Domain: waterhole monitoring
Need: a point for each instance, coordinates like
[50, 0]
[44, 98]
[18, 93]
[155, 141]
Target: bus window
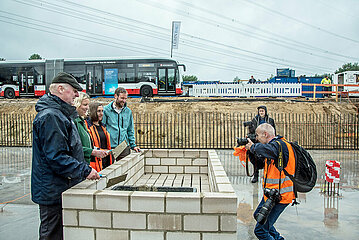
[78, 71]
[39, 74]
[146, 76]
[126, 75]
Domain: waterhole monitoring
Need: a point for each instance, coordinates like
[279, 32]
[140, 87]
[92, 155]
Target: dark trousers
[51, 222]
[267, 230]
[124, 153]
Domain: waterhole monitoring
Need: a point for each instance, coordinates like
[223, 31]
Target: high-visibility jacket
[272, 175]
[326, 81]
[96, 163]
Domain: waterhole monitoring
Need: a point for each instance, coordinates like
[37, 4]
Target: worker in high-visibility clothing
[326, 80]
[275, 151]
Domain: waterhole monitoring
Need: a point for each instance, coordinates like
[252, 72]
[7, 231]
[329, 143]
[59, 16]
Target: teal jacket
[120, 126]
[85, 138]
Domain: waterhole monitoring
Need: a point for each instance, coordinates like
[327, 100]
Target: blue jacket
[271, 150]
[120, 126]
[57, 157]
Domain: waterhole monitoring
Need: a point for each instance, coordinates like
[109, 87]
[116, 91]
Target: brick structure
[91, 211]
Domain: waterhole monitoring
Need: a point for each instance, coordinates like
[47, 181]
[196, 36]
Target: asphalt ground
[318, 216]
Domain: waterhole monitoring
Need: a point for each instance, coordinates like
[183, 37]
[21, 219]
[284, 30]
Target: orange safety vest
[273, 176]
[96, 163]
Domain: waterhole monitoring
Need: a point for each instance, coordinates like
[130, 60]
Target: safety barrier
[212, 130]
[247, 90]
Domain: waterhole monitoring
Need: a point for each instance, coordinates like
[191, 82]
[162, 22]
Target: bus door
[26, 83]
[166, 81]
[341, 81]
[94, 80]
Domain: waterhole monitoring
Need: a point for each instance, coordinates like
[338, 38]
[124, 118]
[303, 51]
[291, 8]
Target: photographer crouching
[277, 155]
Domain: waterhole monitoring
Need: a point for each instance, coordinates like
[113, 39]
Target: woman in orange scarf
[99, 136]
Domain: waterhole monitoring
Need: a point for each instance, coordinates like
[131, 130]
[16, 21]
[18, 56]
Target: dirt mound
[27, 105]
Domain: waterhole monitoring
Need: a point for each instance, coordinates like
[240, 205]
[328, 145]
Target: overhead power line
[301, 21]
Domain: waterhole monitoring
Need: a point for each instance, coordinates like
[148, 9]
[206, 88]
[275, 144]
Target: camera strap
[280, 163]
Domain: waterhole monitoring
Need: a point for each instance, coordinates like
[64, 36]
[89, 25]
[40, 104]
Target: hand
[137, 149]
[93, 175]
[99, 153]
[249, 144]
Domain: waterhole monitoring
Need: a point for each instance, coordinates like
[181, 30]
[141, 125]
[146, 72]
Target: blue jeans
[267, 230]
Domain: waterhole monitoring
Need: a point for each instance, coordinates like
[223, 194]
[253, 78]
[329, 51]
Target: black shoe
[254, 179]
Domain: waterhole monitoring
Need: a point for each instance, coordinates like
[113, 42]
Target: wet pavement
[317, 217]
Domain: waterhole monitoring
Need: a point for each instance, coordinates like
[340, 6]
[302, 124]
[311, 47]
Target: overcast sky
[219, 40]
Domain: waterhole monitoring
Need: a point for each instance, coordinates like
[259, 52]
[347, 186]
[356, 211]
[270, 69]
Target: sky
[219, 39]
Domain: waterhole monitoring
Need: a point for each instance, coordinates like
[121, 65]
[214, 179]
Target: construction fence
[211, 130]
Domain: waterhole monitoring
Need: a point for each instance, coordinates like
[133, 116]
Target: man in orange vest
[277, 155]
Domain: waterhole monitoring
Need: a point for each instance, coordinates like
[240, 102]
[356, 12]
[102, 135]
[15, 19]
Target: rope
[15, 199]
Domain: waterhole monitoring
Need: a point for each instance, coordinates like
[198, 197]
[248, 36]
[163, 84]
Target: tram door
[26, 83]
[94, 80]
[166, 81]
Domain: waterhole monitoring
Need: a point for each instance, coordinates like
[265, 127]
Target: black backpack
[305, 175]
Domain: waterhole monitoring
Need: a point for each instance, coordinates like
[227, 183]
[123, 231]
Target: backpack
[305, 175]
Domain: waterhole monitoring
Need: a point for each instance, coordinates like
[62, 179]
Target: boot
[255, 176]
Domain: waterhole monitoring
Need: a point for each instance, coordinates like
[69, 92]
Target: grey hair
[266, 127]
[54, 86]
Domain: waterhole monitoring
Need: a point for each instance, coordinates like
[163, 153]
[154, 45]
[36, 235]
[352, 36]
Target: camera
[244, 141]
[273, 198]
[251, 136]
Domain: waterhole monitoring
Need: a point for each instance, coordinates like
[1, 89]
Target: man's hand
[99, 153]
[93, 175]
[249, 144]
[137, 149]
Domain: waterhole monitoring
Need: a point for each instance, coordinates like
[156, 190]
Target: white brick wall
[129, 220]
[75, 233]
[78, 198]
[144, 235]
[113, 200]
[164, 222]
[147, 202]
[111, 234]
[94, 219]
[201, 223]
[107, 214]
[183, 203]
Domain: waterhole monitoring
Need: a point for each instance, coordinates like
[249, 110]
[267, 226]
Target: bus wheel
[146, 91]
[9, 93]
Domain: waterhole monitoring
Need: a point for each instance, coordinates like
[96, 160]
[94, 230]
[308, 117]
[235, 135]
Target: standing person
[99, 135]
[57, 158]
[262, 117]
[326, 80]
[118, 120]
[252, 80]
[271, 149]
[82, 106]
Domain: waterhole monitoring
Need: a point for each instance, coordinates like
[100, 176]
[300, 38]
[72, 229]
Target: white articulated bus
[98, 76]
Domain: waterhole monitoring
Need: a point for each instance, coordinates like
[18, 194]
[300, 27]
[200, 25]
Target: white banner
[175, 34]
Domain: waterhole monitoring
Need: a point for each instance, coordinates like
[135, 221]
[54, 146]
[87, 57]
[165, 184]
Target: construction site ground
[223, 105]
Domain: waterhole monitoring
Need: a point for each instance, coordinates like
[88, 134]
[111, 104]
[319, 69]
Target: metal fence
[210, 130]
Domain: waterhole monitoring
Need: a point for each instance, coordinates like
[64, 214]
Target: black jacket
[57, 157]
[256, 121]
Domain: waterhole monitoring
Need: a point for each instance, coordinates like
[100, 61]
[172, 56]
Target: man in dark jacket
[57, 157]
[262, 117]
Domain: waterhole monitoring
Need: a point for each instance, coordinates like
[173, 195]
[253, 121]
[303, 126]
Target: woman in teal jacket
[82, 106]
